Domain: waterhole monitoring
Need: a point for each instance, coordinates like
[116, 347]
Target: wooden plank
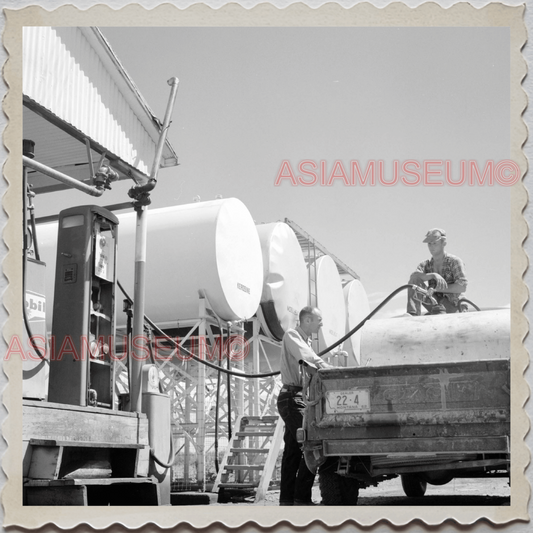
[56, 495]
[460, 465]
[43, 422]
[237, 485]
[78, 408]
[421, 431]
[45, 462]
[244, 467]
[254, 433]
[88, 481]
[142, 462]
[260, 419]
[249, 450]
[432, 445]
[26, 458]
[339, 422]
[85, 444]
[442, 387]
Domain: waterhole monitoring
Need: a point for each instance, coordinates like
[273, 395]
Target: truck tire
[439, 477]
[413, 486]
[337, 490]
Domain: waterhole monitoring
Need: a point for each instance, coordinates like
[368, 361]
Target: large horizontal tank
[330, 298]
[285, 287]
[211, 246]
[357, 308]
[436, 338]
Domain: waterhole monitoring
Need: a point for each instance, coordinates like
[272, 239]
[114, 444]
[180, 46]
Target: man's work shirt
[296, 345]
[453, 271]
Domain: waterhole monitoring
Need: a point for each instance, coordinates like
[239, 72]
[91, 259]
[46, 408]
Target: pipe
[217, 401]
[89, 158]
[149, 186]
[63, 178]
[31, 209]
[228, 385]
[129, 313]
[25, 248]
[368, 317]
[138, 338]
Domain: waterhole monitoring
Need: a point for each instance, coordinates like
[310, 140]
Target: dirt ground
[469, 492]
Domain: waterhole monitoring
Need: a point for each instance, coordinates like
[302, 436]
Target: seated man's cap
[433, 235]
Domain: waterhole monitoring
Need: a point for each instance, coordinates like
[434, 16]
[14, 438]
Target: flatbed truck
[426, 421]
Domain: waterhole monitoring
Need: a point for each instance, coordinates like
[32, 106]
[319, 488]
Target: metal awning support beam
[63, 178]
[139, 192]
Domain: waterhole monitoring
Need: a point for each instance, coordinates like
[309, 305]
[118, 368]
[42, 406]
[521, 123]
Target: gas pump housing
[83, 324]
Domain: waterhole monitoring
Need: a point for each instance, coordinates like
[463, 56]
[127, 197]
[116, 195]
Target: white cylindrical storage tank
[211, 246]
[436, 338]
[285, 288]
[357, 308]
[330, 300]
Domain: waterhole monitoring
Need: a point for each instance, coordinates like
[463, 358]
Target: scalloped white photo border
[365, 14]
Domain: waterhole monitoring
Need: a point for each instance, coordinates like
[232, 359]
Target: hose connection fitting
[104, 176]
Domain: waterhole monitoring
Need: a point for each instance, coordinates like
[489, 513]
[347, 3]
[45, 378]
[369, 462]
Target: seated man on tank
[443, 276]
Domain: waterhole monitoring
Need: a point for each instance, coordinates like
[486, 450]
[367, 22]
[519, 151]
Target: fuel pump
[83, 326]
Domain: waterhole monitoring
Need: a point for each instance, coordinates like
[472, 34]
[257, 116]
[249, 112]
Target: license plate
[348, 401]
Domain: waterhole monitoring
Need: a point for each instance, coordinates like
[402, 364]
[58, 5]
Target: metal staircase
[250, 459]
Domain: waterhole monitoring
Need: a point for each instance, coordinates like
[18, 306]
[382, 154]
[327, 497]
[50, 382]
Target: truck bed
[447, 407]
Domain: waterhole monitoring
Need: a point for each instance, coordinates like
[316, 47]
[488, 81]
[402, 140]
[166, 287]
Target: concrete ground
[492, 492]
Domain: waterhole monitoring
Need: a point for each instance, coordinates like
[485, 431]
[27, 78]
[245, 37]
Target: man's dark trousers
[296, 479]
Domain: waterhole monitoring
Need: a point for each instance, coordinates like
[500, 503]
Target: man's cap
[433, 235]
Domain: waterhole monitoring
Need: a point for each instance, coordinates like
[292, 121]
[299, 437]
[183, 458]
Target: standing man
[444, 274]
[296, 479]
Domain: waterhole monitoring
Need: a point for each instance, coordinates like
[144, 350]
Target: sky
[251, 98]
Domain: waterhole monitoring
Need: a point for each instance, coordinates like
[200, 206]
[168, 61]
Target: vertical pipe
[217, 394]
[173, 82]
[186, 454]
[25, 212]
[200, 413]
[228, 388]
[239, 388]
[139, 341]
[140, 348]
[255, 369]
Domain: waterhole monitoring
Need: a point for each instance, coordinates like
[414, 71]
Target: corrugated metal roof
[57, 149]
[74, 80]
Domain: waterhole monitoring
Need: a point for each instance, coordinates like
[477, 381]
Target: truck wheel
[413, 486]
[437, 478]
[337, 490]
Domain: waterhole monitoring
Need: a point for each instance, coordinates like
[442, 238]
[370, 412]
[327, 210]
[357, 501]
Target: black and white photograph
[266, 261]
